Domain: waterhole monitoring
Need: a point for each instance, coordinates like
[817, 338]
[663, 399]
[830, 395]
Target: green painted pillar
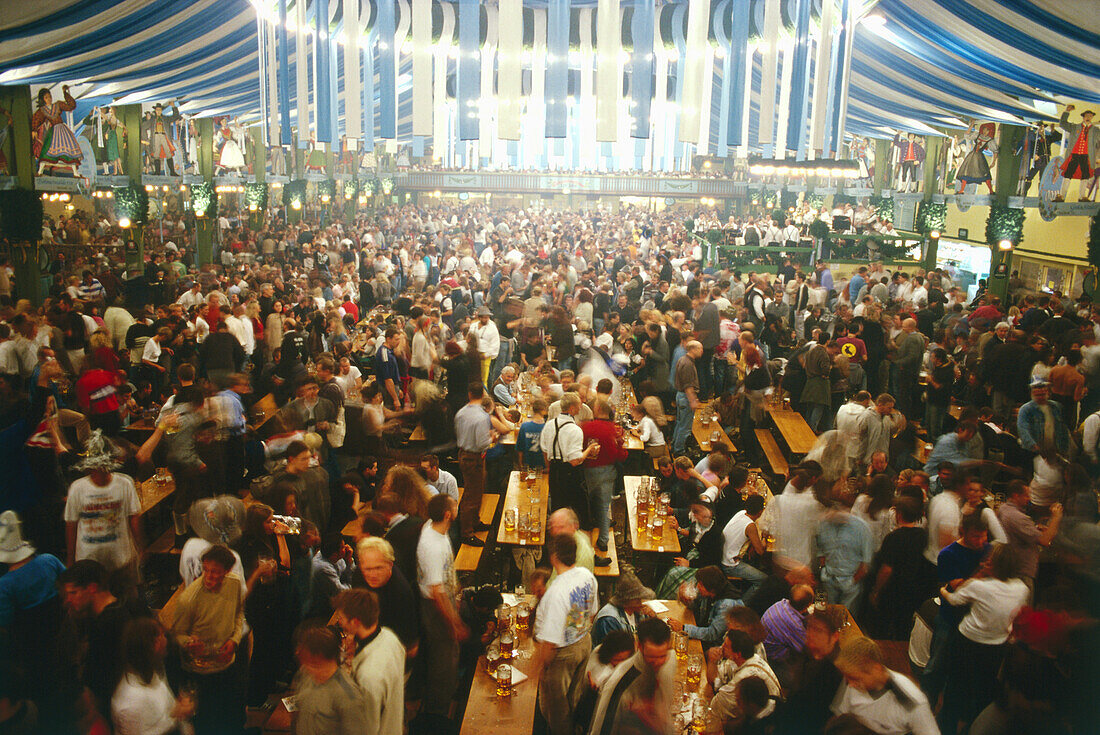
[24, 255]
[882, 165]
[205, 225]
[130, 117]
[259, 155]
[299, 159]
[932, 147]
[1008, 176]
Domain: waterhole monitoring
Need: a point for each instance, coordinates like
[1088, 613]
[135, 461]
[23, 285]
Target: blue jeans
[601, 485]
[684, 418]
[815, 413]
[939, 659]
[747, 572]
[502, 359]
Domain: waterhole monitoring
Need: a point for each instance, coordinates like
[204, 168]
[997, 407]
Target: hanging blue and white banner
[822, 76]
[641, 67]
[800, 78]
[441, 127]
[369, 129]
[283, 50]
[468, 81]
[843, 66]
[609, 84]
[301, 63]
[322, 84]
[387, 68]
[740, 62]
[509, 69]
[770, 71]
[557, 68]
[353, 109]
[691, 101]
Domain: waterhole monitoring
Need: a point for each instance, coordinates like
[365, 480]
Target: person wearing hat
[1039, 424]
[217, 520]
[488, 340]
[1082, 150]
[102, 512]
[622, 610]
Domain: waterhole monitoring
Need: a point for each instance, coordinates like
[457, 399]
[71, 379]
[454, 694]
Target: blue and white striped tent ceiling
[918, 65]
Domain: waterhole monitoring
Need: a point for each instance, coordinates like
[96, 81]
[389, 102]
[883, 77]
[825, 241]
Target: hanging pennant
[534, 133]
[740, 67]
[301, 62]
[800, 79]
[487, 100]
[641, 67]
[585, 113]
[822, 67]
[509, 68]
[441, 114]
[698, 25]
[321, 69]
[468, 80]
[283, 61]
[843, 68]
[557, 68]
[387, 69]
[352, 89]
[367, 77]
[609, 83]
[769, 71]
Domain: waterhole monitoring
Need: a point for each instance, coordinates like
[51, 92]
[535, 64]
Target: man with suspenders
[562, 442]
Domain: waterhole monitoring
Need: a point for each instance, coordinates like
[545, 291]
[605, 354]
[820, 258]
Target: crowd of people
[948, 508]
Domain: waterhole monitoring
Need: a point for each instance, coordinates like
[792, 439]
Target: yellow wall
[1066, 237]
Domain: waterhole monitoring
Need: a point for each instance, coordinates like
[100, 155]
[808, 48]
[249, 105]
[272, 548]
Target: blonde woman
[650, 415]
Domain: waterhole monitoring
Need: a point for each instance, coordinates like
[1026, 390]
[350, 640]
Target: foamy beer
[694, 671]
[504, 680]
[523, 616]
[510, 519]
[492, 658]
[507, 645]
[681, 647]
[658, 529]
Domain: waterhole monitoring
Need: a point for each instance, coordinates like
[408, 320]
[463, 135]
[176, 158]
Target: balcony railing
[509, 182]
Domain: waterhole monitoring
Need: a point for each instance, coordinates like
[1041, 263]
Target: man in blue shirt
[386, 370]
[527, 442]
[859, 280]
[956, 563]
[952, 448]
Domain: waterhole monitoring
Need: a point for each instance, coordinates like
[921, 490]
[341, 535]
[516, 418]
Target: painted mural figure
[146, 128]
[54, 144]
[161, 139]
[191, 164]
[276, 160]
[1034, 152]
[114, 140]
[1082, 151]
[910, 157]
[230, 155]
[975, 169]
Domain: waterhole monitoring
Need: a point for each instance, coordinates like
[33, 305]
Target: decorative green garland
[351, 188]
[132, 202]
[294, 191]
[256, 194]
[326, 188]
[883, 208]
[816, 201]
[930, 216]
[788, 199]
[839, 199]
[20, 215]
[387, 185]
[1004, 223]
[369, 187]
[204, 199]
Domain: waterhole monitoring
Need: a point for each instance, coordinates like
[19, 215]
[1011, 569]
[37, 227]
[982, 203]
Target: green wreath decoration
[1004, 223]
[204, 198]
[132, 202]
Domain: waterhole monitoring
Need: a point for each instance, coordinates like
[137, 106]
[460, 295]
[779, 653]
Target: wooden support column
[1008, 176]
[25, 255]
[205, 225]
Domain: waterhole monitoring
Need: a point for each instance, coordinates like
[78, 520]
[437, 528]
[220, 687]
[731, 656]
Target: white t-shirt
[435, 563]
[570, 438]
[649, 433]
[902, 708]
[943, 513]
[734, 537]
[151, 351]
[102, 517]
[993, 607]
[138, 708]
[568, 609]
[347, 382]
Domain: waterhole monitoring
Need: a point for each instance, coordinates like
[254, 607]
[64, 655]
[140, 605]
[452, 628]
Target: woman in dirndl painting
[54, 143]
[974, 169]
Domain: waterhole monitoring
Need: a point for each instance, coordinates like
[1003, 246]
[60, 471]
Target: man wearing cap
[624, 608]
[488, 340]
[1082, 150]
[1039, 424]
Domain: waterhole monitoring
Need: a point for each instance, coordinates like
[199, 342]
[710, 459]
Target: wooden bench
[613, 569]
[165, 544]
[468, 557]
[772, 451]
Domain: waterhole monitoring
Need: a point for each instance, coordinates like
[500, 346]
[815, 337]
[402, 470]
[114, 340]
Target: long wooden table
[151, 492]
[670, 539]
[798, 435]
[704, 431]
[519, 497]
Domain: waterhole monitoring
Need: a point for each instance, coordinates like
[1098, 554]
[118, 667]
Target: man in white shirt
[442, 628]
[240, 326]
[944, 517]
[102, 512]
[562, 632]
[739, 649]
[192, 296]
[440, 481]
[847, 422]
[885, 701]
[562, 442]
[488, 340]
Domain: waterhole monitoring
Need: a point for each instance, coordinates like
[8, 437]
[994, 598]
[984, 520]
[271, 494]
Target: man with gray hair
[504, 387]
[562, 442]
